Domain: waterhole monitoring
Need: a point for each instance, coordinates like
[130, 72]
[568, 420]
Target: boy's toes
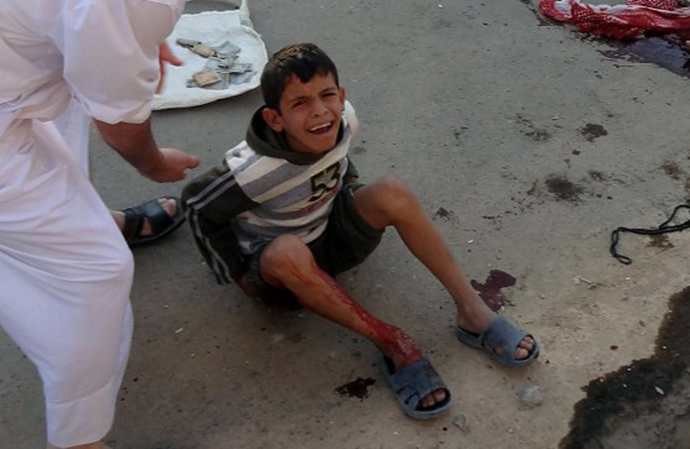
[432, 399]
[439, 396]
[524, 348]
[426, 402]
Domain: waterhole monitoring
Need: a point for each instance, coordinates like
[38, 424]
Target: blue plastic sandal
[500, 333]
[413, 382]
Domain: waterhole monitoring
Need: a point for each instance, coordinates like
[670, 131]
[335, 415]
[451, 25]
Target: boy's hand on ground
[172, 166]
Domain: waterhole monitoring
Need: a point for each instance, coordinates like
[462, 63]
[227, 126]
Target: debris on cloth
[221, 69]
[223, 57]
[204, 78]
[620, 22]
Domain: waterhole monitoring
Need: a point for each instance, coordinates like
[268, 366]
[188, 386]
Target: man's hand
[172, 167]
[165, 56]
[135, 143]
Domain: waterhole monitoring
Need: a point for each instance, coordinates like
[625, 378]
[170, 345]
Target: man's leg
[66, 275]
[389, 202]
[288, 263]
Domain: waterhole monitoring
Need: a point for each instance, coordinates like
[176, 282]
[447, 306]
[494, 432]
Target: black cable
[663, 228]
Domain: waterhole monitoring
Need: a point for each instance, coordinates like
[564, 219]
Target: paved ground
[528, 146]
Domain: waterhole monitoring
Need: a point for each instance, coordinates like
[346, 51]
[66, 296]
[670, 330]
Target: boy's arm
[351, 174]
[211, 201]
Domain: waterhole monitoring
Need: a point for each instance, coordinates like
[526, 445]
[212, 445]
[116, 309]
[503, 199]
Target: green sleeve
[211, 202]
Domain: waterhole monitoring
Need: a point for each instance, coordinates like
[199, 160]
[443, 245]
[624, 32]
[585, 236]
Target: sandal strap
[502, 332]
[134, 222]
[157, 216]
[415, 381]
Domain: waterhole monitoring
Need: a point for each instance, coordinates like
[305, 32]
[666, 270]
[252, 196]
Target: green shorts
[345, 243]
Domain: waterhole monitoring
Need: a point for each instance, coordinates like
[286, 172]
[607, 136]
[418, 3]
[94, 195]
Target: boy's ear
[273, 119]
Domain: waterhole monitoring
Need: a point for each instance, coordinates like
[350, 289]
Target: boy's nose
[318, 109]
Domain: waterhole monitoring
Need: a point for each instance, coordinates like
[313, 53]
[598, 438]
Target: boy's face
[310, 114]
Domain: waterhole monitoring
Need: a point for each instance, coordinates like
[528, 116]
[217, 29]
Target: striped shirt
[263, 190]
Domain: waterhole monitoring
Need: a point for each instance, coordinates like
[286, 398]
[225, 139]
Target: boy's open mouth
[321, 129]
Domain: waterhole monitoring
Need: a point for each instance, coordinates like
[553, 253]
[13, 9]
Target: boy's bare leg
[389, 202]
[288, 263]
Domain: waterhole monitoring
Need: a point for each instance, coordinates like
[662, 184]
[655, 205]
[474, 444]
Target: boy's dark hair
[300, 60]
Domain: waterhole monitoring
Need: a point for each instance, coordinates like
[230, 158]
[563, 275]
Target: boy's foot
[414, 381]
[149, 221]
[501, 339]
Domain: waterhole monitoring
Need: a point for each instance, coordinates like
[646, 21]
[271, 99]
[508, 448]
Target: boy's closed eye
[299, 103]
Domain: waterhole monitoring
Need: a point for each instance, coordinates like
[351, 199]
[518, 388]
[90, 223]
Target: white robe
[66, 270]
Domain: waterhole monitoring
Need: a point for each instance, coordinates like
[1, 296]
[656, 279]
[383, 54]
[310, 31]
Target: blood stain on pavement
[358, 388]
[665, 51]
[640, 388]
[490, 291]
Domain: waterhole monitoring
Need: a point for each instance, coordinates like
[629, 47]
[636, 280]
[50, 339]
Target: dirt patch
[659, 241]
[490, 291]
[444, 214]
[563, 189]
[538, 135]
[597, 176]
[644, 404]
[672, 170]
[531, 131]
[458, 133]
[593, 131]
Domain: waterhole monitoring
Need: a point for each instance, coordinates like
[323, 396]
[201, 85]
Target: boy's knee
[395, 192]
[285, 255]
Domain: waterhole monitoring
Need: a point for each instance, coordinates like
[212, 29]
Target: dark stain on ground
[563, 189]
[459, 132]
[531, 131]
[672, 170]
[593, 131]
[663, 50]
[538, 135]
[444, 214]
[490, 291]
[597, 176]
[358, 388]
[638, 388]
[660, 241]
[359, 150]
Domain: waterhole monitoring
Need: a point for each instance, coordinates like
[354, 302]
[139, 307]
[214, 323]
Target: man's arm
[136, 144]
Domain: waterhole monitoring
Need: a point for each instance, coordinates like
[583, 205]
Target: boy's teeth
[316, 128]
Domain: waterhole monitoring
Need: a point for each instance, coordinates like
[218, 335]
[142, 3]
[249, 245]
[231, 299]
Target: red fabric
[620, 21]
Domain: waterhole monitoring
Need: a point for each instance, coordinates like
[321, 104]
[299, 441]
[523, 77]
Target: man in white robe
[65, 267]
